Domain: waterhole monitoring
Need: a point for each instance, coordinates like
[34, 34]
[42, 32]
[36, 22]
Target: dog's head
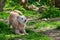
[22, 19]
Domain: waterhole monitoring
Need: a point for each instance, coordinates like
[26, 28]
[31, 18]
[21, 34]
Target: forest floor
[36, 28]
[54, 33]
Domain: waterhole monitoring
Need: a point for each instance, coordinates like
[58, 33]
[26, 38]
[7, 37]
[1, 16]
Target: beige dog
[18, 21]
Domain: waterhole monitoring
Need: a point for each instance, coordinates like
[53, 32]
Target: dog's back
[13, 18]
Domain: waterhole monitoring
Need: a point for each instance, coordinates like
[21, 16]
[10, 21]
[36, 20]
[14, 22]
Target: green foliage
[42, 2]
[32, 36]
[42, 24]
[35, 36]
[51, 13]
[4, 15]
[3, 27]
[46, 2]
[6, 34]
[13, 5]
[31, 2]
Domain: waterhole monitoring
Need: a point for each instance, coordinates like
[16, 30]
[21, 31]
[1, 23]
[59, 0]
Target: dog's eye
[22, 18]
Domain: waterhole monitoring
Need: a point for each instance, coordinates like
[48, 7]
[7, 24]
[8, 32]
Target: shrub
[51, 13]
[4, 15]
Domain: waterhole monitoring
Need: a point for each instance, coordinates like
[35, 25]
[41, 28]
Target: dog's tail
[19, 12]
[11, 11]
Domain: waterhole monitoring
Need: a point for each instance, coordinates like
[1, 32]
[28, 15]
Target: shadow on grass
[58, 28]
[4, 28]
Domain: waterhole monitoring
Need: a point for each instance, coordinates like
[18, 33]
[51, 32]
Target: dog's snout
[25, 21]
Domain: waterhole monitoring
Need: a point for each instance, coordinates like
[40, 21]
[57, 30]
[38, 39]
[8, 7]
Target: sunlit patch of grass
[40, 24]
[8, 36]
[36, 36]
[30, 13]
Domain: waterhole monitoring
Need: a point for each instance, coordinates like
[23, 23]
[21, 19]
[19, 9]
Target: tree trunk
[2, 4]
[57, 3]
[53, 2]
[23, 3]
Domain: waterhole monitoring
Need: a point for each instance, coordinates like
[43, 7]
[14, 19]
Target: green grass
[7, 34]
[33, 36]
[40, 24]
[4, 15]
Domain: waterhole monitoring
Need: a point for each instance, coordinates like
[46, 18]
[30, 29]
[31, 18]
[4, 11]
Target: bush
[51, 13]
[3, 27]
[4, 15]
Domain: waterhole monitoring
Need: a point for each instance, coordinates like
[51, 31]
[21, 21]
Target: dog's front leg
[16, 29]
[22, 29]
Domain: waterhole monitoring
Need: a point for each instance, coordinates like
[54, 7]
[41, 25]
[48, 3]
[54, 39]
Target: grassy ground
[7, 34]
[42, 26]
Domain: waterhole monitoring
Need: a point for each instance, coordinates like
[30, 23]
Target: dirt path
[55, 34]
